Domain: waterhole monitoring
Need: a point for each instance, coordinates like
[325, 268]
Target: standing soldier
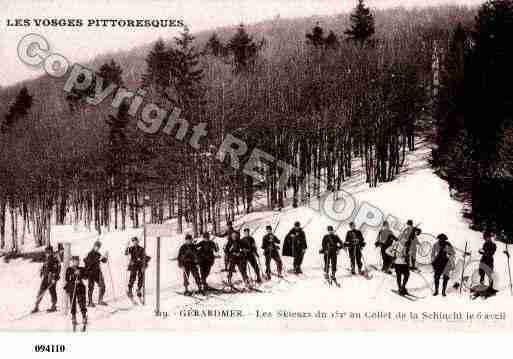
[486, 264]
[76, 289]
[385, 239]
[442, 258]
[295, 246]
[50, 274]
[331, 245]
[414, 242]
[355, 242]
[399, 251]
[137, 264]
[188, 261]
[237, 259]
[207, 250]
[407, 232]
[251, 253]
[270, 246]
[228, 234]
[410, 233]
[94, 274]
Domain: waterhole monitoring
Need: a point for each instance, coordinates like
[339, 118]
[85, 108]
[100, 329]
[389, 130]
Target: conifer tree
[244, 49]
[362, 24]
[331, 40]
[449, 104]
[158, 67]
[474, 117]
[316, 37]
[490, 107]
[186, 73]
[214, 46]
[18, 109]
[111, 72]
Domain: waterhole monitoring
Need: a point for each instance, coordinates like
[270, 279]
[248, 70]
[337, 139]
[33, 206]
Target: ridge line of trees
[317, 109]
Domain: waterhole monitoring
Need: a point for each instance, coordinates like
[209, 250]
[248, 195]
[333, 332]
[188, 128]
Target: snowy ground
[417, 194]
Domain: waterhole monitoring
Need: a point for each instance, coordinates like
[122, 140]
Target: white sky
[82, 43]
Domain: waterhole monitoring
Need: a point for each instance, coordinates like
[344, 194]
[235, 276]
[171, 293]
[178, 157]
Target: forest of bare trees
[326, 102]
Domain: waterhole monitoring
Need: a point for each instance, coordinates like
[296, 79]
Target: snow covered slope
[417, 194]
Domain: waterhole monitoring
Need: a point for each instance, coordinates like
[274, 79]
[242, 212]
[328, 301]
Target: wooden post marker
[158, 231]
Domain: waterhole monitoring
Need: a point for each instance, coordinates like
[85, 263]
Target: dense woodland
[474, 118]
[326, 95]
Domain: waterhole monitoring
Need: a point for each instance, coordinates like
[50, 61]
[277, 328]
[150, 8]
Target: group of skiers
[91, 271]
[241, 253]
[401, 253]
[198, 258]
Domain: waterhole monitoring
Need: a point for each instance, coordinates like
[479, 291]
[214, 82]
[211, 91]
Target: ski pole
[509, 270]
[379, 256]
[259, 265]
[365, 269]
[308, 222]
[40, 295]
[250, 277]
[325, 261]
[126, 278]
[242, 226]
[463, 269]
[73, 296]
[343, 245]
[255, 229]
[253, 269]
[277, 224]
[186, 276]
[354, 257]
[111, 280]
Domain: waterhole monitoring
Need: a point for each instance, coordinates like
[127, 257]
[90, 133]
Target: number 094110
[53, 348]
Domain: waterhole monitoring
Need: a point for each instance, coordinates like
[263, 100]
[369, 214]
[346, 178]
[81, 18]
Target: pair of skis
[241, 290]
[408, 296]
[364, 273]
[280, 278]
[193, 295]
[332, 282]
[83, 327]
[134, 301]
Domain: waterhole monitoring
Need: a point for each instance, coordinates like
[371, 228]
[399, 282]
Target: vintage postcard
[222, 165]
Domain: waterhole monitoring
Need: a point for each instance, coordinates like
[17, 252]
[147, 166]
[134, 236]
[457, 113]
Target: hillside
[276, 31]
[313, 108]
[417, 193]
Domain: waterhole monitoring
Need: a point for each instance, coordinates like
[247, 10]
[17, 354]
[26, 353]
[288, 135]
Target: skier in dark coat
[331, 245]
[138, 261]
[442, 258]
[486, 265]
[228, 234]
[207, 250]
[76, 289]
[385, 239]
[237, 259]
[295, 246]
[270, 246]
[355, 242]
[94, 274]
[251, 253]
[50, 273]
[188, 261]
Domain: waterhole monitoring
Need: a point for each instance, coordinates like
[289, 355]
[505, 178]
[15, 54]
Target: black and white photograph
[255, 166]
